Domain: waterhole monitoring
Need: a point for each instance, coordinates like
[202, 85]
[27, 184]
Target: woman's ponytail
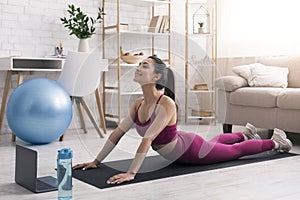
[170, 85]
[166, 81]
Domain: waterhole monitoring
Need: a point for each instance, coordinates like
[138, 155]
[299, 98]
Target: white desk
[31, 64]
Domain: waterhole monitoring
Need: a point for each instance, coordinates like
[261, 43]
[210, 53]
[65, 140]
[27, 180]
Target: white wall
[33, 27]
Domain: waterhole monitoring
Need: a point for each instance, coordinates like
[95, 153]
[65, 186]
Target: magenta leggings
[193, 149]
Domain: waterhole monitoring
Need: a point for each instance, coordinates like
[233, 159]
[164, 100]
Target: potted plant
[200, 29]
[81, 25]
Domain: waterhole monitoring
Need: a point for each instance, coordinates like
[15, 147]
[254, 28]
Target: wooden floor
[276, 179]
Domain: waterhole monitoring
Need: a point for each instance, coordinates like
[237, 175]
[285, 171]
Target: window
[258, 27]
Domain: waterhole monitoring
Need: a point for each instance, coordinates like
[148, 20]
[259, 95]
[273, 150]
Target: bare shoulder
[167, 102]
[134, 107]
[167, 110]
[137, 102]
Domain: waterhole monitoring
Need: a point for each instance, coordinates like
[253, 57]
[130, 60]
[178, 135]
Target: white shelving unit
[201, 58]
[118, 90]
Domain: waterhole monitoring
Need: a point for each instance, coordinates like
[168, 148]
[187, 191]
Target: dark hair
[167, 77]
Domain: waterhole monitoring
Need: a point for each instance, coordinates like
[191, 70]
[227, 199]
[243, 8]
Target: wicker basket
[131, 59]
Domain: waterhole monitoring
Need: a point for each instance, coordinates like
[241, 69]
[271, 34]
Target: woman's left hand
[120, 178]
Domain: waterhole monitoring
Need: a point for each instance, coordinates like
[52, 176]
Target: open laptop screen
[26, 172]
[26, 167]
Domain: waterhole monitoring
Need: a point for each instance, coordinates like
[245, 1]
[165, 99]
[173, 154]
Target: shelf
[124, 92]
[197, 2]
[206, 64]
[201, 35]
[143, 3]
[123, 65]
[145, 33]
[109, 31]
[119, 32]
[202, 66]
[201, 91]
[199, 117]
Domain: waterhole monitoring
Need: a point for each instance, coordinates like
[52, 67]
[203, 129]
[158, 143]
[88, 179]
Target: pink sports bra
[167, 135]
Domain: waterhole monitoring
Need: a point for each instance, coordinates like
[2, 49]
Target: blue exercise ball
[39, 111]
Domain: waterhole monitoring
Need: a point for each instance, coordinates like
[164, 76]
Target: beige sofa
[265, 107]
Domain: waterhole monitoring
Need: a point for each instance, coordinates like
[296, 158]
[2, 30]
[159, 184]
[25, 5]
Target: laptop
[26, 171]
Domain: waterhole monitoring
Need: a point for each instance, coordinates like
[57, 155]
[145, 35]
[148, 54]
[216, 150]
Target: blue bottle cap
[65, 153]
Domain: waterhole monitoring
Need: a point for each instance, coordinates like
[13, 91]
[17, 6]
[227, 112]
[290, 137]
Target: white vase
[83, 45]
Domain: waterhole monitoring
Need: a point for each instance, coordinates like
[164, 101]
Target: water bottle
[64, 174]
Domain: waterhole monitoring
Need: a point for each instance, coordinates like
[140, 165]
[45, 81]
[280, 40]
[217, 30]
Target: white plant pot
[200, 30]
[83, 45]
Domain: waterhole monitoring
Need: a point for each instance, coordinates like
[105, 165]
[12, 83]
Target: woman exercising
[155, 116]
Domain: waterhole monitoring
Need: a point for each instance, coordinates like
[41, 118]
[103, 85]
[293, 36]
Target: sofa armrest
[231, 83]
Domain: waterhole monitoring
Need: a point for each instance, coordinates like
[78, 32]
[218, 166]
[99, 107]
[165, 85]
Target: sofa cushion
[289, 99]
[255, 96]
[292, 62]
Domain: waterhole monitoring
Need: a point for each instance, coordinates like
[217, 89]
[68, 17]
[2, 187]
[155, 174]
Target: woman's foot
[250, 132]
[282, 143]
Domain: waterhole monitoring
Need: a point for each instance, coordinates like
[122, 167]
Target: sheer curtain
[258, 27]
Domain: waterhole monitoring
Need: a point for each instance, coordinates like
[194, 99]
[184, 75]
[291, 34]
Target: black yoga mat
[156, 167]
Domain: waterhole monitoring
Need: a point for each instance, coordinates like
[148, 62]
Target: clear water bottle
[64, 173]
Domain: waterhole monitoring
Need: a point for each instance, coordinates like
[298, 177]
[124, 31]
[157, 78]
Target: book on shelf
[124, 27]
[159, 24]
[200, 86]
[202, 113]
[165, 25]
[155, 24]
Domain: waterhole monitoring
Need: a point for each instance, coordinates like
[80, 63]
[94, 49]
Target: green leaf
[80, 24]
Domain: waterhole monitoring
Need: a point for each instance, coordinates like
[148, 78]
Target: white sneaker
[251, 133]
[279, 136]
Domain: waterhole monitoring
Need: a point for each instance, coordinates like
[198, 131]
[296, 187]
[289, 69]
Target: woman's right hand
[85, 166]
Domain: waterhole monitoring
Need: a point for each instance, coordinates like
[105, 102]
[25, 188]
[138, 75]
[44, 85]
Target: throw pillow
[269, 76]
[245, 70]
[259, 75]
